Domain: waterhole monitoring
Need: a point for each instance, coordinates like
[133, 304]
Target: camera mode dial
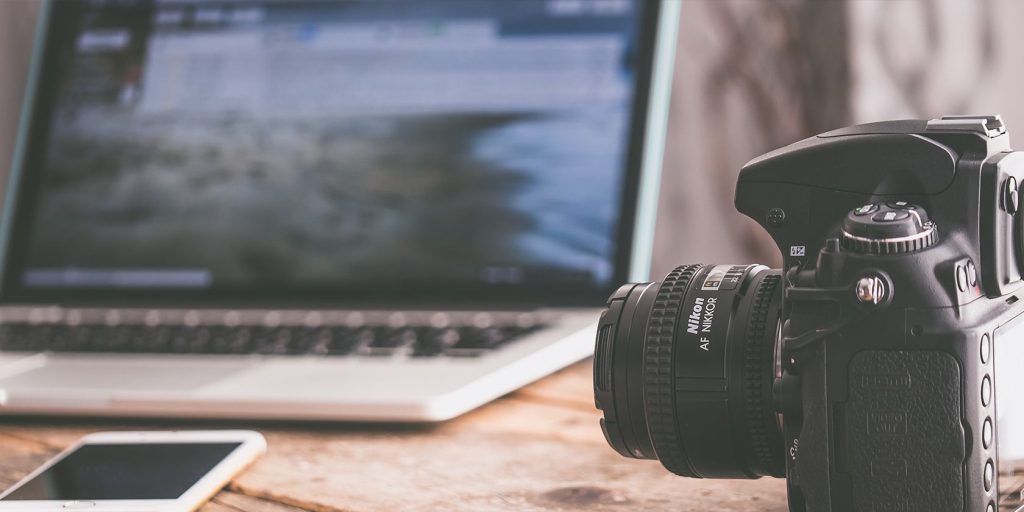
[888, 228]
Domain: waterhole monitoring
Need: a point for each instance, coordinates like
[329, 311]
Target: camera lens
[684, 371]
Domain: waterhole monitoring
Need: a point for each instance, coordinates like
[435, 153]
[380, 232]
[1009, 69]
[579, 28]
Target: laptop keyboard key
[482, 338]
[390, 339]
[79, 338]
[302, 341]
[273, 341]
[160, 339]
[111, 339]
[12, 337]
[240, 340]
[343, 341]
[433, 342]
[59, 339]
[219, 342]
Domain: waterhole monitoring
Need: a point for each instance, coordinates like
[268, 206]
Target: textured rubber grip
[659, 373]
[906, 443]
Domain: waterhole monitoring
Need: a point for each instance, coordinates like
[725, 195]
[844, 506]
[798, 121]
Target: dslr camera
[862, 371]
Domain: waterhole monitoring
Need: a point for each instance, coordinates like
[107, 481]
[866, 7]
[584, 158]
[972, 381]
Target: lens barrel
[684, 371]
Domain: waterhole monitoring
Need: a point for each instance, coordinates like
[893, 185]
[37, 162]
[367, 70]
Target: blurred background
[755, 75]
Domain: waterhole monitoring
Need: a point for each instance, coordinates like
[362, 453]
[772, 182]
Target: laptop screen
[413, 149]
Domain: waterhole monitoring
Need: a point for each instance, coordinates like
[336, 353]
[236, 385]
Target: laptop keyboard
[369, 341]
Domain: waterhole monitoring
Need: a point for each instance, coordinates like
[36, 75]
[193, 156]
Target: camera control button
[986, 348]
[901, 205]
[865, 210]
[990, 475]
[986, 391]
[961, 278]
[891, 216]
[987, 434]
[871, 290]
[972, 274]
[1011, 196]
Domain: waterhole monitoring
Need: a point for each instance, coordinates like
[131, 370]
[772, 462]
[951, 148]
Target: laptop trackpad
[95, 374]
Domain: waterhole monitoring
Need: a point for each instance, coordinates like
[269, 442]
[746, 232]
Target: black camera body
[863, 370]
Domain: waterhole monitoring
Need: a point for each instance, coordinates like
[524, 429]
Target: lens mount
[684, 371]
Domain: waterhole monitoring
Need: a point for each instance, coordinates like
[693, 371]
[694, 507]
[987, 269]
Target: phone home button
[79, 505]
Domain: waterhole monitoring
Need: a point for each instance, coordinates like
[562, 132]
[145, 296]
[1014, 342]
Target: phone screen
[160, 471]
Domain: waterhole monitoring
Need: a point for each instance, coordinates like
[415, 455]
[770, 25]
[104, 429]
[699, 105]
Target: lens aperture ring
[659, 373]
[761, 333]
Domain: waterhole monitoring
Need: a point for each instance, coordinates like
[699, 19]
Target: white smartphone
[136, 472]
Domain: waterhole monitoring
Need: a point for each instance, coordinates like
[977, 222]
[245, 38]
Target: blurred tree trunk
[927, 58]
[755, 75]
[750, 77]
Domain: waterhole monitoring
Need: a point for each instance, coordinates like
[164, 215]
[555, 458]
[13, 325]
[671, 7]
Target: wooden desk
[537, 449]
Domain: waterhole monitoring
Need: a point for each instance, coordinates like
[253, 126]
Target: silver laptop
[389, 210]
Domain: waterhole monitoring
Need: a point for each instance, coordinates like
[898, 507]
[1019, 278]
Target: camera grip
[905, 444]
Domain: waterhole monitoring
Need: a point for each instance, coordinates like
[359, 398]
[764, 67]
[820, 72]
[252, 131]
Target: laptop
[375, 210]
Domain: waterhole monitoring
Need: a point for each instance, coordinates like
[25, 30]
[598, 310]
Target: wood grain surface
[539, 449]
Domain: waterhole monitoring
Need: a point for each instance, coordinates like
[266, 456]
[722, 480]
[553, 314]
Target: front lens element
[684, 371]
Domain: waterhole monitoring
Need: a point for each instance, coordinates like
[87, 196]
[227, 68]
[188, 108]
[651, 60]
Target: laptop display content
[402, 149]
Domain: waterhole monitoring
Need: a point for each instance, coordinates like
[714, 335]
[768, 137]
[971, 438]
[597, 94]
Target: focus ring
[659, 372]
[761, 337]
